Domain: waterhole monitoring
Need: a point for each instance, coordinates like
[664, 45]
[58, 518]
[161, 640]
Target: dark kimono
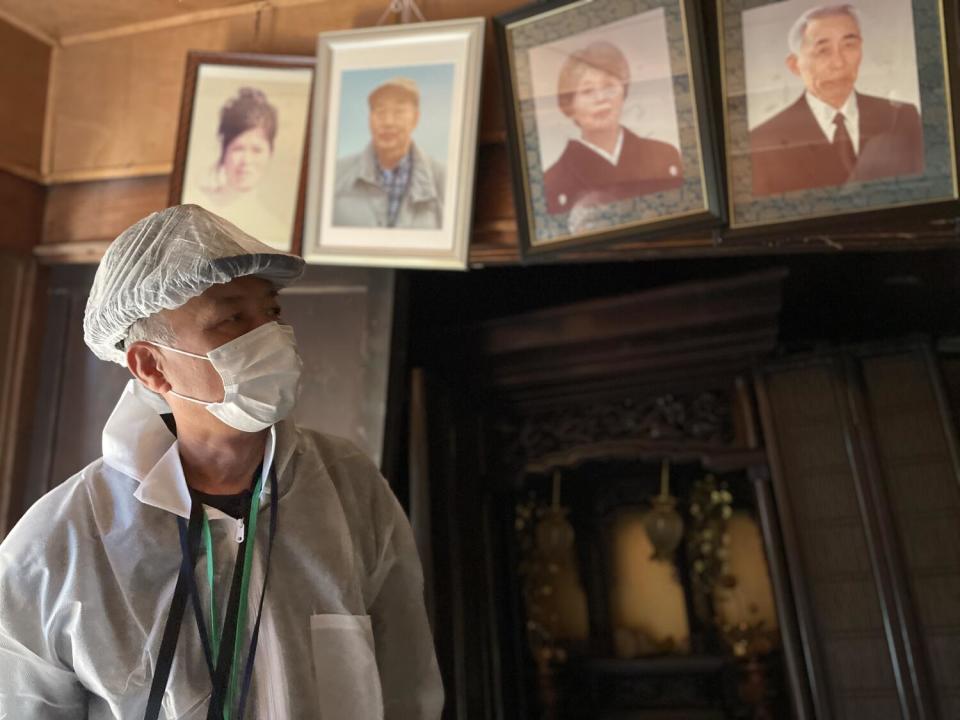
[581, 176]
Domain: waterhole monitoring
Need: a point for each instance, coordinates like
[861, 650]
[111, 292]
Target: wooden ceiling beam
[26, 28]
[179, 19]
[173, 21]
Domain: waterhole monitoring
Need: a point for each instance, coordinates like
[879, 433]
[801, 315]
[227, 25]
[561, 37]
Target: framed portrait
[609, 124]
[241, 142]
[393, 145]
[835, 108]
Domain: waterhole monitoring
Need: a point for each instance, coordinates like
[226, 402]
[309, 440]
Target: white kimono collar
[137, 442]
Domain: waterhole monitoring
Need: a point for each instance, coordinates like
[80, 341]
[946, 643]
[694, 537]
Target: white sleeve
[34, 683]
[406, 659]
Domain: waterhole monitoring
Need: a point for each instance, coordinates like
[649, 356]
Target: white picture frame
[351, 218]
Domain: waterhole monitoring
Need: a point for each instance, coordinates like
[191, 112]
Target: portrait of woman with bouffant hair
[247, 130]
[245, 144]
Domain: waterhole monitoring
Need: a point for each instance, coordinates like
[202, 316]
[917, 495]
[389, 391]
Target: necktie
[843, 143]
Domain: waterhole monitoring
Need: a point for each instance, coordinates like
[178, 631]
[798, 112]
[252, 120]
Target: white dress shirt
[825, 115]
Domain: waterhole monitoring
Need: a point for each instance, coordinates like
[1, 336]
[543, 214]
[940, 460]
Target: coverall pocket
[196, 710]
[345, 667]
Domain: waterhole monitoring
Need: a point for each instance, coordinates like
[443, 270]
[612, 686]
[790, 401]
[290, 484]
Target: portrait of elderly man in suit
[833, 134]
[391, 183]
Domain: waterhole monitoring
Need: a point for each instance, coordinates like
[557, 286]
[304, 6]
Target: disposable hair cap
[164, 260]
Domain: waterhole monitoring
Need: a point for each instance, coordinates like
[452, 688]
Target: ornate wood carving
[704, 419]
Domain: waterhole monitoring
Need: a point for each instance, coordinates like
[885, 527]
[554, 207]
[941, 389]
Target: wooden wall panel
[24, 72]
[836, 591]
[12, 273]
[99, 210]
[19, 336]
[21, 207]
[64, 20]
[923, 487]
[117, 100]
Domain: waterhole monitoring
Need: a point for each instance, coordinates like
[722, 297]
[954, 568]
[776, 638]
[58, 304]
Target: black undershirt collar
[236, 505]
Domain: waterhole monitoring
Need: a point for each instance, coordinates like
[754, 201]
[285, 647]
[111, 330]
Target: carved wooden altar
[600, 393]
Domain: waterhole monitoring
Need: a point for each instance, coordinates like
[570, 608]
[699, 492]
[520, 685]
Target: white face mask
[261, 377]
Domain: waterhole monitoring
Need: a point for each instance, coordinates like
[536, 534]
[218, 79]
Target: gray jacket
[359, 201]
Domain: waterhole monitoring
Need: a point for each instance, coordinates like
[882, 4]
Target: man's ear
[793, 64]
[143, 361]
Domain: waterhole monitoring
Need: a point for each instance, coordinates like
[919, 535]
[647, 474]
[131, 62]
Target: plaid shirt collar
[395, 183]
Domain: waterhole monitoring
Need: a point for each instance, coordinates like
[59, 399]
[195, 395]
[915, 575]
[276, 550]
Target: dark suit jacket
[790, 152]
[580, 175]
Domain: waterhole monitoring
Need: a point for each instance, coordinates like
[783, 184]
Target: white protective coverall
[87, 577]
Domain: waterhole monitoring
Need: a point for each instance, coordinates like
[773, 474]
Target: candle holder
[663, 523]
[553, 596]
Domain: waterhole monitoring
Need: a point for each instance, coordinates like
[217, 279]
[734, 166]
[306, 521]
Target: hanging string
[406, 9]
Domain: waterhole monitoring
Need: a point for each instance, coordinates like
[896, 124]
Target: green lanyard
[244, 591]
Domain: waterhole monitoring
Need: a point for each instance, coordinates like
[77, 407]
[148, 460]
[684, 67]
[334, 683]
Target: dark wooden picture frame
[880, 199]
[294, 156]
[695, 200]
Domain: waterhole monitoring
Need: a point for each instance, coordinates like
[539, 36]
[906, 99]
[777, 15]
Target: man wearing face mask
[217, 561]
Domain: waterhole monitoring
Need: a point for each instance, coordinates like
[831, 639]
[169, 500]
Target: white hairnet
[164, 260]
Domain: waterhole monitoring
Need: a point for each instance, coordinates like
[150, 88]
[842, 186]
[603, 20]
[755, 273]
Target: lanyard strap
[214, 626]
[227, 663]
[274, 520]
[220, 664]
[171, 630]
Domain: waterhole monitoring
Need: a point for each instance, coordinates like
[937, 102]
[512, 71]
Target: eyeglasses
[596, 94]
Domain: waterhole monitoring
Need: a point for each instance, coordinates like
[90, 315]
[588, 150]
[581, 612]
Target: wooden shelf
[713, 458]
[651, 666]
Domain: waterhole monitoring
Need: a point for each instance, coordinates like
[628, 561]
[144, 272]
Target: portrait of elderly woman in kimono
[607, 162]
